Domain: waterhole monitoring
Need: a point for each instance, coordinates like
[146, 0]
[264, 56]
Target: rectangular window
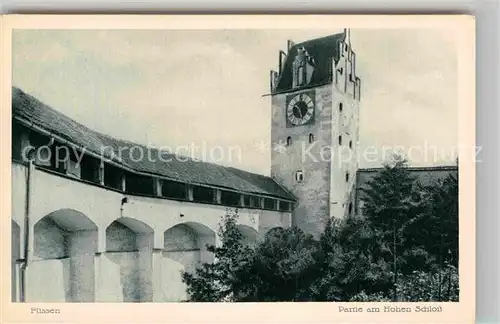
[140, 184]
[230, 198]
[112, 176]
[60, 156]
[73, 166]
[203, 194]
[285, 205]
[269, 203]
[252, 201]
[17, 138]
[90, 168]
[173, 189]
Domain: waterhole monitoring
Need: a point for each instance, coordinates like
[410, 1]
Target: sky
[203, 89]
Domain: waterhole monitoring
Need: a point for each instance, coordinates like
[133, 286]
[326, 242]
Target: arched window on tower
[341, 107]
[340, 139]
[311, 138]
[288, 141]
[347, 177]
[350, 144]
[300, 75]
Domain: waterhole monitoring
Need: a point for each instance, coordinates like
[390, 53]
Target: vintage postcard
[238, 168]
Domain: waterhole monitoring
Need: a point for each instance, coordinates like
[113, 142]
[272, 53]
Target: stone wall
[86, 246]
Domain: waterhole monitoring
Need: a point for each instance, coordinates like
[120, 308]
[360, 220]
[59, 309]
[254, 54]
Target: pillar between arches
[101, 239]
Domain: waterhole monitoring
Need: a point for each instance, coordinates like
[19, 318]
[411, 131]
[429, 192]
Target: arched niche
[64, 246]
[250, 236]
[126, 269]
[184, 251]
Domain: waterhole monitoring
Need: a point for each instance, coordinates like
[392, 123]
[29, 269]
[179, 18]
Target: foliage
[402, 247]
[364, 297]
[438, 285]
[283, 266]
[224, 279]
[436, 230]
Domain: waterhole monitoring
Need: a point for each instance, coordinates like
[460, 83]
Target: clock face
[300, 109]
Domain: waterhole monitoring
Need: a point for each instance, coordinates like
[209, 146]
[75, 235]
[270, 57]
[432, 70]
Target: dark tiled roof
[323, 50]
[167, 165]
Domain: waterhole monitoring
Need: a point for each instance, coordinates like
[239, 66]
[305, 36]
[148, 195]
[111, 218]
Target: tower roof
[323, 50]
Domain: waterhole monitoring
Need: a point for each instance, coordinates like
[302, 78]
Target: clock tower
[315, 97]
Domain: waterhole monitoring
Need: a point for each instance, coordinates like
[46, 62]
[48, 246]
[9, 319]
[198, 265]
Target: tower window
[340, 139]
[311, 138]
[300, 76]
[347, 177]
[341, 107]
[350, 144]
[350, 208]
[299, 176]
[288, 141]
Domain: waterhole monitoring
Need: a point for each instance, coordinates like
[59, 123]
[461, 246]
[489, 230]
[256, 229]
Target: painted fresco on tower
[235, 165]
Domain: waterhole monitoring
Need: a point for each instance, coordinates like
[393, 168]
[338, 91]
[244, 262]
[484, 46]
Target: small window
[255, 201]
[311, 138]
[288, 141]
[203, 194]
[299, 176]
[341, 107]
[173, 189]
[270, 203]
[350, 144]
[285, 206]
[139, 184]
[230, 198]
[347, 177]
[340, 139]
[350, 209]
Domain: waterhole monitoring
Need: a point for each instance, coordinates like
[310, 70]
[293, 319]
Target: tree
[361, 270]
[284, 267]
[440, 284]
[389, 203]
[226, 278]
[402, 247]
[440, 220]
[435, 231]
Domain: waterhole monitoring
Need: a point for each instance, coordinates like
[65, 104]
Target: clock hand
[299, 111]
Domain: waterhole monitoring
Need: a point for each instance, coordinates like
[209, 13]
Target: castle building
[91, 222]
